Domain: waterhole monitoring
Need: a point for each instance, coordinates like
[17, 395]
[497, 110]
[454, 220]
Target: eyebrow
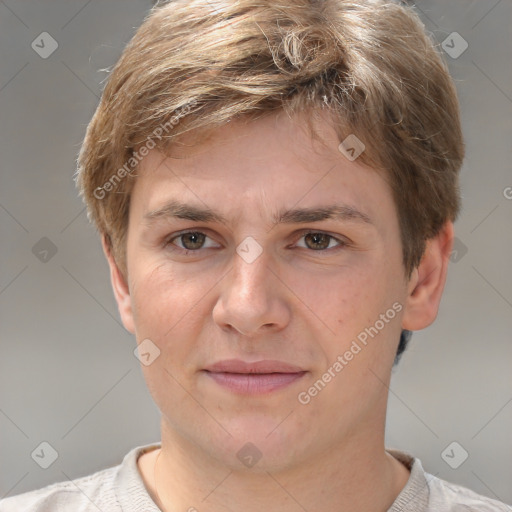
[178, 210]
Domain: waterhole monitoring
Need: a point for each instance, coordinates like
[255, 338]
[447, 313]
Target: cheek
[161, 300]
[355, 298]
[366, 325]
[165, 311]
[173, 309]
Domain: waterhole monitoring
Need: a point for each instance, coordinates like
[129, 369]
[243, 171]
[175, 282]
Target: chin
[259, 445]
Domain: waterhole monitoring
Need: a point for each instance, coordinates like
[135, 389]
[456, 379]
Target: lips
[266, 366]
[253, 378]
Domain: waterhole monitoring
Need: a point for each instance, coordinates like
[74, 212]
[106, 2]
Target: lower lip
[254, 383]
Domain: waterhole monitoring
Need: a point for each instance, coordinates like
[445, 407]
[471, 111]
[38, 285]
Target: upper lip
[264, 366]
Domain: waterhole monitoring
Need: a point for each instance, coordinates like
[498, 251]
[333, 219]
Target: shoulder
[425, 492]
[114, 489]
[82, 494]
[452, 497]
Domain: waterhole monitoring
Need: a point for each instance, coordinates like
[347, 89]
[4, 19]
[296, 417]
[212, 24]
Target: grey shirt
[121, 489]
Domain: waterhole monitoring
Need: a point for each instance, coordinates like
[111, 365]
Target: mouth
[253, 378]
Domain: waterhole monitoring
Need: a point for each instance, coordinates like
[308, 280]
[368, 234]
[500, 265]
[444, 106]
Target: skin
[295, 303]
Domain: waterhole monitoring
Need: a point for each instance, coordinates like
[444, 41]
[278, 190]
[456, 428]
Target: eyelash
[186, 252]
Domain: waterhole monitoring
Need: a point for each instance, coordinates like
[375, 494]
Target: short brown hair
[195, 64]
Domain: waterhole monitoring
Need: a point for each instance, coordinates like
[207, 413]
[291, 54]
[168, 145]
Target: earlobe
[427, 281]
[120, 288]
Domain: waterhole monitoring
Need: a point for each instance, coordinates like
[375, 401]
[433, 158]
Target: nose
[252, 299]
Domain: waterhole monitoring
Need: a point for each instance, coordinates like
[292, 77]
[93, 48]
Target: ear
[427, 281]
[120, 287]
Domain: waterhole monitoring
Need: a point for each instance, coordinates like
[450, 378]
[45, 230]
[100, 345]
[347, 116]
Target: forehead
[266, 165]
[277, 136]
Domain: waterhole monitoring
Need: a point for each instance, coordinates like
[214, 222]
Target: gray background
[68, 375]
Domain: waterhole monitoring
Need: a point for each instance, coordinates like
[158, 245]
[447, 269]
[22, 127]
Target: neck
[357, 475]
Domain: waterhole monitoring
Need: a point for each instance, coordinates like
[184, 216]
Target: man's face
[254, 289]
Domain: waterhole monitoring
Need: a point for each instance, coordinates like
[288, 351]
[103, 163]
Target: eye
[319, 241]
[193, 241]
[190, 240]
